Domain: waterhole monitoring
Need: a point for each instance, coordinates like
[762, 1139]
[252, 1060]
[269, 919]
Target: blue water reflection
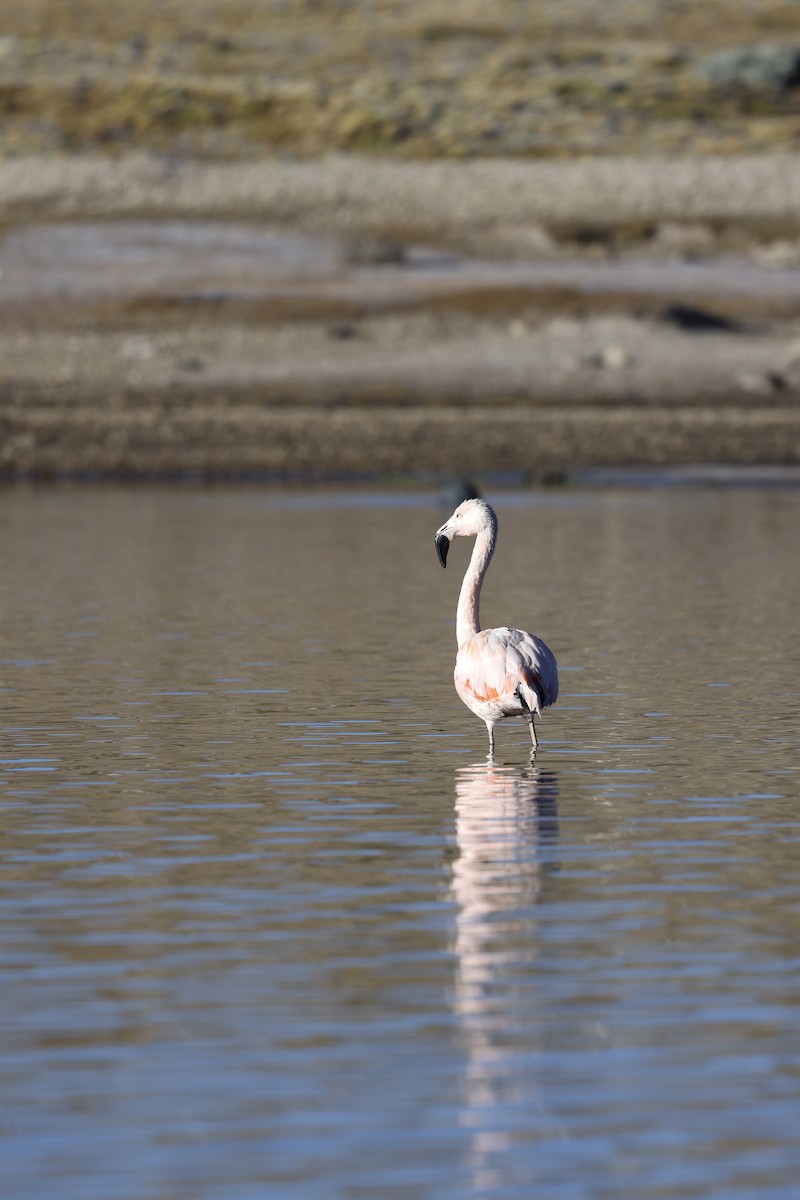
[269, 929]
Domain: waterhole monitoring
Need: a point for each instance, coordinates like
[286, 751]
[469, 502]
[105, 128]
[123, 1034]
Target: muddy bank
[214, 443]
[144, 331]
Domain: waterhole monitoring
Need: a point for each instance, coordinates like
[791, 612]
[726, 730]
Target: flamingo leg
[534, 740]
[490, 728]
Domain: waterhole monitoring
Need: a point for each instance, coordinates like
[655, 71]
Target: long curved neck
[468, 616]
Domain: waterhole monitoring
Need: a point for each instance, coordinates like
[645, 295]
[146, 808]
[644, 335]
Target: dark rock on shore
[764, 67]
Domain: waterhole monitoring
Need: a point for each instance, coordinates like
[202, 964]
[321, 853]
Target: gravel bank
[447, 199]
[418, 361]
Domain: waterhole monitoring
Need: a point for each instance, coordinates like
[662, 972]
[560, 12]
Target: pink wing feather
[509, 667]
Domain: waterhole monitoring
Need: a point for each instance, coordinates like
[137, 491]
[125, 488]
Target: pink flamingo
[499, 672]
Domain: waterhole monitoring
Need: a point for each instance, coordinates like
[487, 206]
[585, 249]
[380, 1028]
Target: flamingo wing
[509, 667]
[540, 669]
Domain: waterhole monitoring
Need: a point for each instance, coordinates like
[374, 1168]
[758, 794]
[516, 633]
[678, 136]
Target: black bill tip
[442, 546]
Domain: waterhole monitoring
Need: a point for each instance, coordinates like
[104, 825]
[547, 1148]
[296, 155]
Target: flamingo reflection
[505, 819]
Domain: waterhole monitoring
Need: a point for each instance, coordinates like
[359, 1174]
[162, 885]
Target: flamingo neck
[468, 617]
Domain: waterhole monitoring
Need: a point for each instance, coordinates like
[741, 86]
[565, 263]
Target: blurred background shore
[345, 239]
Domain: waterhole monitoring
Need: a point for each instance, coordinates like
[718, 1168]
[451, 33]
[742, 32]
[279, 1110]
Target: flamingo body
[506, 673]
[499, 672]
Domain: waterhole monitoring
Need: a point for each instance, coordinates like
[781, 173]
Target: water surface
[120, 259]
[272, 925]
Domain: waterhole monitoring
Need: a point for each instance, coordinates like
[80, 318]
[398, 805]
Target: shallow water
[88, 260]
[272, 926]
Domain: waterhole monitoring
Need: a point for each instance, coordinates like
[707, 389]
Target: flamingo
[499, 672]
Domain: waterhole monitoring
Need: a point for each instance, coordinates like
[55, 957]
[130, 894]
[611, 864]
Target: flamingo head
[470, 518]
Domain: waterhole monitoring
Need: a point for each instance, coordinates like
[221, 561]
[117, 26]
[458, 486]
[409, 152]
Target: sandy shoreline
[170, 381]
[452, 199]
